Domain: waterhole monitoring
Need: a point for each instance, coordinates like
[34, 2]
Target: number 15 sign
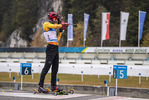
[120, 71]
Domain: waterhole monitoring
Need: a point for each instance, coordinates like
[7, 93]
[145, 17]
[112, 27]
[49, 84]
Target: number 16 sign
[120, 71]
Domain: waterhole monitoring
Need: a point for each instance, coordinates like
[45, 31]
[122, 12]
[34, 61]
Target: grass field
[76, 79]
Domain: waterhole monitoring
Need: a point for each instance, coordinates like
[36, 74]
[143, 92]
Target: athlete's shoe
[55, 88]
[42, 90]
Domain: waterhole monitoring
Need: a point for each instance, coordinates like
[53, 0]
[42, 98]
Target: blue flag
[142, 15]
[86, 18]
[70, 27]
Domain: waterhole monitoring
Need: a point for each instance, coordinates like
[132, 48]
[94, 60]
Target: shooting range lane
[25, 95]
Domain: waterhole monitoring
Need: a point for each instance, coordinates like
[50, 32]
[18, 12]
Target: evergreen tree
[78, 8]
[132, 32]
[26, 16]
[5, 18]
[97, 25]
[18, 14]
[23, 14]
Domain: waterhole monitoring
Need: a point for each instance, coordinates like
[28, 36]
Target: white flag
[123, 26]
[105, 25]
[86, 18]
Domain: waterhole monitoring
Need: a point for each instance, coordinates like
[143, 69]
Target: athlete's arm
[59, 36]
[47, 26]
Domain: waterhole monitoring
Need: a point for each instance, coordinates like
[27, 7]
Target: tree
[78, 35]
[132, 32]
[145, 42]
[18, 14]
[78, 8]
[92, 7]
[5, 18]
[97, 25]
[26, 16]
[39, 40]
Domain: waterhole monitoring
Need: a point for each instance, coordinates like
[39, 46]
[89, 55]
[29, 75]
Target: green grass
[76, 80]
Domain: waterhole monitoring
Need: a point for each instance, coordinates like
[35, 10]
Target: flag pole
[139, 30]
[120, 29]
[101, 37]
[101, 42]
[67, 34]
[84, 31]
[84, 43]
[67, 43]
[67, 40]
[120, 43]
[101, 31]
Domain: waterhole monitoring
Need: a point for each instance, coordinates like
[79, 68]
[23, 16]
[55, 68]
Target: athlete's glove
[64, 25]
[59, 21]
[61, 30]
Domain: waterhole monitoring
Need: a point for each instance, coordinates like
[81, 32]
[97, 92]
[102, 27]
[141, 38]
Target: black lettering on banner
[129, 50]
[140, 51]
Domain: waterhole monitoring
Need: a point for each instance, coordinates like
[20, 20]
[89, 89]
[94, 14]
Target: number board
[120, 71]
[25, 68]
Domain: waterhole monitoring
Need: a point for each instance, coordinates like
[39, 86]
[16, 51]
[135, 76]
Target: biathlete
[52, 54]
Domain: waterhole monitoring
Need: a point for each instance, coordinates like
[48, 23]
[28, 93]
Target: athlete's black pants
[52, 58]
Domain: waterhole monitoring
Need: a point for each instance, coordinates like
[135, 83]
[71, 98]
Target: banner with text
[86, 18]
[105, 26]
[105, 49]
[142, 15]
[70, 27]
[123, 25]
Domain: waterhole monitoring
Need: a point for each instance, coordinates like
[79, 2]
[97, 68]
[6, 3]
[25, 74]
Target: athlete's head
[52, 16]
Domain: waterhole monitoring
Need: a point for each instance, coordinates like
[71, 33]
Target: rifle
[65, 25]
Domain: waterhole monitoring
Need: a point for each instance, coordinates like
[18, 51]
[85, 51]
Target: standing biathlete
[52, 54]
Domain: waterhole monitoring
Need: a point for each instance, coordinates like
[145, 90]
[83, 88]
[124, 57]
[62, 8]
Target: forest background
[24, 14]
